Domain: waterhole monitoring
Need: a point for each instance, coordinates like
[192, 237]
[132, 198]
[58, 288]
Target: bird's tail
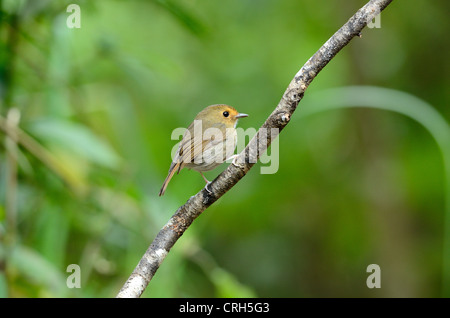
[173, 168]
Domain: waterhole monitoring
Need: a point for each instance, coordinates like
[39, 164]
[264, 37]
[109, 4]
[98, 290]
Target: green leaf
[52, 230]
[183, 16]
[3, 286]
[227, 285]
[75, 138]
[39, 270]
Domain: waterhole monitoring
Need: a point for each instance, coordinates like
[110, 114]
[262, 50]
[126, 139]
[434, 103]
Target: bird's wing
[192, 147]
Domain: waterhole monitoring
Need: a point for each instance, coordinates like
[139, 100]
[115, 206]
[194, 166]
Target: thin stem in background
[412, 107]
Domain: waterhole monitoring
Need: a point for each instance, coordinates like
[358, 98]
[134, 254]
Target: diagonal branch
[280, 117]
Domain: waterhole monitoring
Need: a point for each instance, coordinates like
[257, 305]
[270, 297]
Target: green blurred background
[96, 107]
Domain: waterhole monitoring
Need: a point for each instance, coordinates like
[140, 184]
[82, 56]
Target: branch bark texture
[278, 119]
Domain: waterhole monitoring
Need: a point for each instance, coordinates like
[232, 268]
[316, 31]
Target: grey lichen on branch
[280, 117]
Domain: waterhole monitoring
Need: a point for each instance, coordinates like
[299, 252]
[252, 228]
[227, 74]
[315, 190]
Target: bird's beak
[241, 115]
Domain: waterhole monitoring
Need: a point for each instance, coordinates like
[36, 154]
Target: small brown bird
[208, 141]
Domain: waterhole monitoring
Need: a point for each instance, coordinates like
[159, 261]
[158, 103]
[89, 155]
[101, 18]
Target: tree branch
[280, 117]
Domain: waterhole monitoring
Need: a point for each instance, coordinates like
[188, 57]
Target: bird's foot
[235, 161]
[207, 187]
[207, 183]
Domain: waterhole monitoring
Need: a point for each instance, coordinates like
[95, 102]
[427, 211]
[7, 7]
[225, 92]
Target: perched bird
[208, 141]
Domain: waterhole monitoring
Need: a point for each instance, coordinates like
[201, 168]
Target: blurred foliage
[95, 108]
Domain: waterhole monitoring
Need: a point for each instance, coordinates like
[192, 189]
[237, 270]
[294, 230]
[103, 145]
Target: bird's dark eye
[226, 114]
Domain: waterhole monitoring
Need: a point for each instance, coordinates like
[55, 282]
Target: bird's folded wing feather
[192, 148]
